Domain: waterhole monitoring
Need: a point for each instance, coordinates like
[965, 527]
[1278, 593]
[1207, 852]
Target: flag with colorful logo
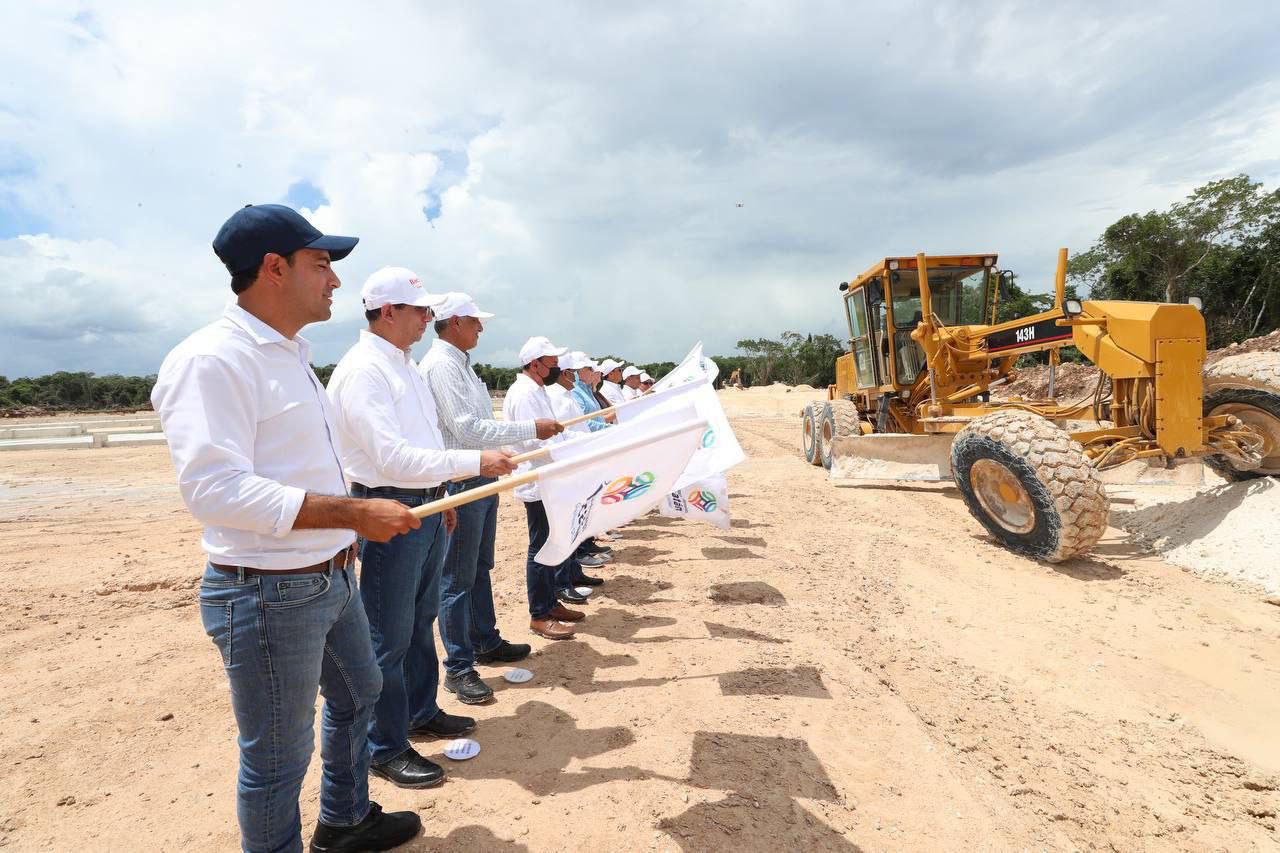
[614, 476]
[706, 500]
[691, 381]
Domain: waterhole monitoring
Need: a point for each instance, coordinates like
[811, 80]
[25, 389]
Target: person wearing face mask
[527, 400]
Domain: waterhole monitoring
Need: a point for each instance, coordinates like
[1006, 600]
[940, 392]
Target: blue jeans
[467, 622]
[540, 579]
[569, 573]
[400, 586]
[281, 639]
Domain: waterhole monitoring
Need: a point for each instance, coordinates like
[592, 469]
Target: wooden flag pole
[474, 494]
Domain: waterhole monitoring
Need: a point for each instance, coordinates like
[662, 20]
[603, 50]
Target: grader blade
[858, 459]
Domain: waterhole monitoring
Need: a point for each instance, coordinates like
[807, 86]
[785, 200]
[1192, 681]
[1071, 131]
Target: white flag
[719, 450]
[706, 500]
[694, 366]
[614, 477]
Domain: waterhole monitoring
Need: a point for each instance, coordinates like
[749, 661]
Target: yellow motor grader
[912, 398]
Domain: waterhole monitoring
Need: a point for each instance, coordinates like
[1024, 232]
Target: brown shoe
[551, 629]
[564, 614]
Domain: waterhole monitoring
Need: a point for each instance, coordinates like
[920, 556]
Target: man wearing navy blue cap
[254, 443]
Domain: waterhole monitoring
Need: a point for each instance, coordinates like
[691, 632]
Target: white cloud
[605, 151]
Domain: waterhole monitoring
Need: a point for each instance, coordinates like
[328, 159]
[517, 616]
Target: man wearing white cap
[646, 382]
[630, 382]
[468, 624]
[584, 395]
[611, 387]
[527, 399]
[392, 448]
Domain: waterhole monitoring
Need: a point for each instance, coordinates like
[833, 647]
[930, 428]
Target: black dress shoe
[444, 725]
[505, 653]
[378, 831]
[468, 687]
[570, 596]
[587, 580]
[409, 770]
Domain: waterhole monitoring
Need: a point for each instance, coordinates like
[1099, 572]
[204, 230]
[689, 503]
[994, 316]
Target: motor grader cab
[912, 398]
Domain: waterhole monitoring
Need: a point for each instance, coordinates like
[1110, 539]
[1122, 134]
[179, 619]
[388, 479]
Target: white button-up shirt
[526, 400]
[629, 393]
[250, 433]
[566, 406]
[612, 392]
[387, 420]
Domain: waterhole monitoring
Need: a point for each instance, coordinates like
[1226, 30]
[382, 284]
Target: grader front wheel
[837, 418]
[1030, 485]
[810, 437]
[1247, 386]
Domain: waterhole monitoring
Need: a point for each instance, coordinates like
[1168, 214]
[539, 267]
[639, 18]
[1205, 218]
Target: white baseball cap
[457, 304]
[629, 371]
[396, 286]
[537, 347]
[608, 366]
[573, 361]
[644, 377]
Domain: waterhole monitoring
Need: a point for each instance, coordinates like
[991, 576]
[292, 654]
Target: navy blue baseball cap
[256, 229]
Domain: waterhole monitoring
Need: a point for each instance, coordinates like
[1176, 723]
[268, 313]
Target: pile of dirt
[1076, 380]
[1262, 343]
[1032, 383]
[1228, 532]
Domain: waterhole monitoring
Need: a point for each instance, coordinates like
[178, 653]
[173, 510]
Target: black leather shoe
[570, 596]
[505, 653]
[409, 770]
[468, 687]
[378, 831]
[444, 725]
[587, 580]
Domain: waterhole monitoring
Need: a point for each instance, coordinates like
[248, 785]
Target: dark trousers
[468, 623]
[541, 579]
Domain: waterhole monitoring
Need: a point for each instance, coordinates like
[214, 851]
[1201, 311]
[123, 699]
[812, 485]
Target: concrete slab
[60, 431]
[124, 430]
[133, 439]
[77, 442]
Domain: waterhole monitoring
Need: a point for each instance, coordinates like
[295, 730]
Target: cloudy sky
[580, 171]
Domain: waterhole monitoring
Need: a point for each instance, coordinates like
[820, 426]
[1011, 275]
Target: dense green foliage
[76, 391]
[1221, 243]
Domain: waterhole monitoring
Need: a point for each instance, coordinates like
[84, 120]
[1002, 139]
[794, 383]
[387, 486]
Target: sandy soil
[845, 669]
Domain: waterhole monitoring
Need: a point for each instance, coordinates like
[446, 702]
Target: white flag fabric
[706, 500]
[720, 450]
[613, 477]
[694, 366]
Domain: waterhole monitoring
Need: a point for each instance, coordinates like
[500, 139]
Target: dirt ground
[846, 669]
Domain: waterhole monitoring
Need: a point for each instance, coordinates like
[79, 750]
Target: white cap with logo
[457, 304]
[396, 286]
[537, 347]
[608, 366]
[586, 360]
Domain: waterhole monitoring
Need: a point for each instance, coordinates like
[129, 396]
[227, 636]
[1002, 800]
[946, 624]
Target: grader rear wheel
[1030, 485]
[1247, 386]
[810, 439]
[838, 418]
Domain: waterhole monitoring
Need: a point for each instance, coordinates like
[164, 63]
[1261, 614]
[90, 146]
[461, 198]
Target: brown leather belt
[341, 560]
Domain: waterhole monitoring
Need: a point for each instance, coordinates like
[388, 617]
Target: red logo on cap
[415, 282]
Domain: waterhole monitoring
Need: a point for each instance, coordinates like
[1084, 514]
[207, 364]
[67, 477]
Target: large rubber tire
[839, 417]
[1247, 386]
[810, 439]
[1065, 502]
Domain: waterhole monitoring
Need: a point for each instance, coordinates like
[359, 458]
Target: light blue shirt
[589, 404]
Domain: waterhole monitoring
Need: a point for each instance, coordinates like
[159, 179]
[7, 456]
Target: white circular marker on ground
[461, 749]
[518, 676]
[584, 590]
